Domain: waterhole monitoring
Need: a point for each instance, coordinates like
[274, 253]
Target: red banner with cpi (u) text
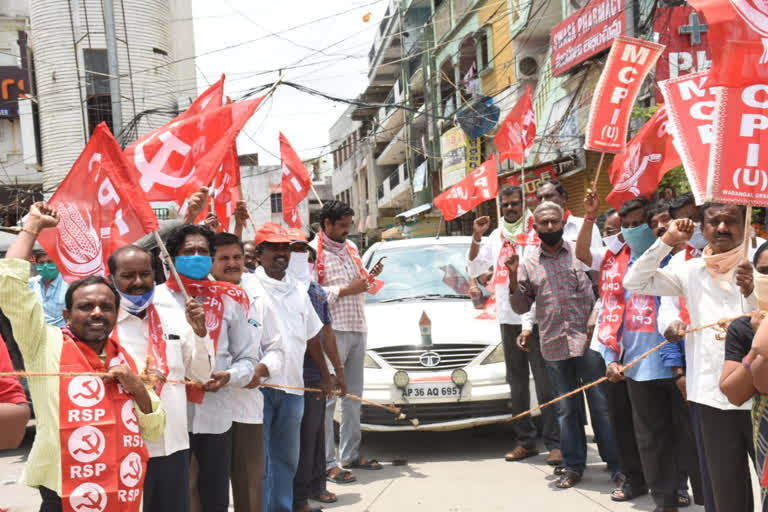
[628, 63]
[690, 107]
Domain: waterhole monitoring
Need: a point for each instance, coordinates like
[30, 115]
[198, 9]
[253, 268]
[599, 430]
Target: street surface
[446, 472]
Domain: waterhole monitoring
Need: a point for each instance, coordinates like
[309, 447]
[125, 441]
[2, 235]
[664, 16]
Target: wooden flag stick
[316, 195]
[498, 203]
[747, 231]
[169, 260]
[597, 174]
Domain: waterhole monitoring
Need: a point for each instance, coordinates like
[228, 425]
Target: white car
[427, 352]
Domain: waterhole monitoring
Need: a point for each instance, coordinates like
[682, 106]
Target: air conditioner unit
[528, 67]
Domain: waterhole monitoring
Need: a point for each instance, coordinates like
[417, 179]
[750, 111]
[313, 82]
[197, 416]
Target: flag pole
[498, 203]
[250, 218]
[312, 186]
[597, 174]
[439, 227]
[169, 260]
[747, 231]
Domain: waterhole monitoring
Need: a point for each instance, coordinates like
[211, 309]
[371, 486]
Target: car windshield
[422, 272]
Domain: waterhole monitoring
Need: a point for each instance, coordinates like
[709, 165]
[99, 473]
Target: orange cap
[273, 233]
[296, 235]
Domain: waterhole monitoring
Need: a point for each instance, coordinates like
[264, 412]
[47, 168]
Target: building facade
[155, 61]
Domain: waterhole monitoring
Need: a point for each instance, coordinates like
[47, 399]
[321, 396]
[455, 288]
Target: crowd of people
[174, 386]
[182, 379]
[573, 307]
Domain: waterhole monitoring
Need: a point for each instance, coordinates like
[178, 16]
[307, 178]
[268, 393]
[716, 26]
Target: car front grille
[412, 358]
[428, 414]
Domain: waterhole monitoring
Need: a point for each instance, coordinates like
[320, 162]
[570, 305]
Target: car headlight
[497, 356]
[459, 377]
[401, 379]
[370, 363]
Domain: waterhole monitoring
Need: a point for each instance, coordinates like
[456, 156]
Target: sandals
[568, 480]
[559, 471]
[325, 497]
[362, 463]
[628, 492]
[682, 498]
[341, 477]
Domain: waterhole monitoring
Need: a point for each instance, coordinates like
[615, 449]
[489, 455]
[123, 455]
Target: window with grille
[98, 98]
[276, 202]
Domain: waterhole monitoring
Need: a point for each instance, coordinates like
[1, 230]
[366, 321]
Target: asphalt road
[445, 472]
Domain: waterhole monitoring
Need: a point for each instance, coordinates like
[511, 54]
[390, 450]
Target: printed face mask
[135, 304]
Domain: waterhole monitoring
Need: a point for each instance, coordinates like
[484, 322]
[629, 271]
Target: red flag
[295, 185]
[209, 100]
[518, 131]
[690, 107]
[228, 189]
[175, 161]
[101, 207]
[628, 64]
[738, 157]
[738, 37]
[649, 155]
[480, 185]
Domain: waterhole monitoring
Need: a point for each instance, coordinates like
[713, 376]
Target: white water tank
[61, 32]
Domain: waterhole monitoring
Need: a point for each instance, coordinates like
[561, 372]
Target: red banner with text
[628, 64]
[479, 186]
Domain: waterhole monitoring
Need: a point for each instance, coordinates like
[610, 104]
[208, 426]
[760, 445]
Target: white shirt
[234, 353]
[572, 228]
[248, 404]
[487, 257]
[187, 355]
[707, 303]
[298, 323]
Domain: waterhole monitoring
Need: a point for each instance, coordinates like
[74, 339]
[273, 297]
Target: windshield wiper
[429, 296]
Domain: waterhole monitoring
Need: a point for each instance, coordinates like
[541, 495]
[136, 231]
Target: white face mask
[298, 267]
[697, 240]
[613, 243]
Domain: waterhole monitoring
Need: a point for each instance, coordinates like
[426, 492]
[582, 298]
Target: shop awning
[415, 211]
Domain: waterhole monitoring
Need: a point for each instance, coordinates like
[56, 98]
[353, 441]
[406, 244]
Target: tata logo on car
[429, 359]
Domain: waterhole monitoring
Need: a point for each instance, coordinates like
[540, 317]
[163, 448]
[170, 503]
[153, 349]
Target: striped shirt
[562, 291]
[41, 344]
[340, 270]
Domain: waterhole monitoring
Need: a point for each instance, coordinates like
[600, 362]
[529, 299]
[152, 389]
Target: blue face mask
[135, 304]
[639, 238]
[194, 267]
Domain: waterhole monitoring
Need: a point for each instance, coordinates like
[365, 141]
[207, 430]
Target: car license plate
[431, 390]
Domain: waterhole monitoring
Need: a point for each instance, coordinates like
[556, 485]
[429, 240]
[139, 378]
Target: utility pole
[114, 72]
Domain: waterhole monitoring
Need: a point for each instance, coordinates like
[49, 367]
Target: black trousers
[727, 438]
[310, 474]
[166, 487]
[620, 411]
[214, 457]
[247, 466]
[664, 438]
[51, 500]
[708, 497]
[517, 363]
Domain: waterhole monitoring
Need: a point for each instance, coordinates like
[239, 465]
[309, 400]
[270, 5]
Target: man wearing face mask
[177, 343]
[551, 277]
[210, 409]
[50, 289]
[717, 285]
[299, 326]
[626, 330]
[310, 481]
[248, 404]
[492, 252]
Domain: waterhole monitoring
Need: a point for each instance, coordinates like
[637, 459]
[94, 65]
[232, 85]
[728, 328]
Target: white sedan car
[427, 352]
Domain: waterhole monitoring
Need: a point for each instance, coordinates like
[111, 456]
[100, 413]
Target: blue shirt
[51, 299]
[320, 303]
[673, 353]
[637, 335]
